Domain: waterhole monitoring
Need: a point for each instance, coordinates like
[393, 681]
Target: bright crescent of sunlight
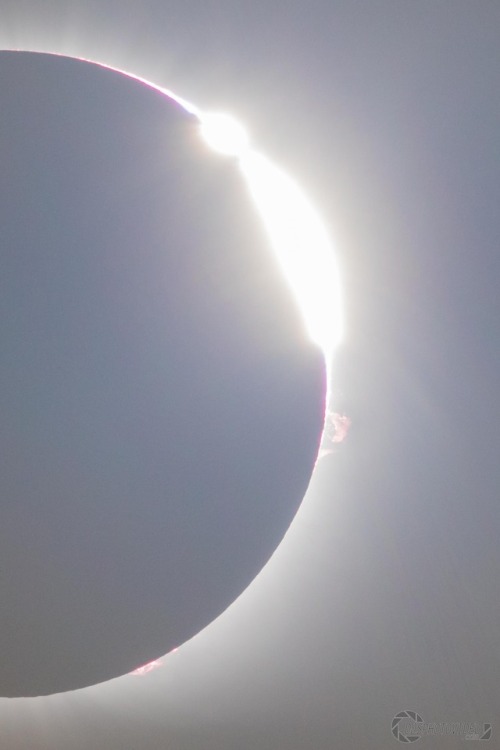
[297, 234]
[302, 247]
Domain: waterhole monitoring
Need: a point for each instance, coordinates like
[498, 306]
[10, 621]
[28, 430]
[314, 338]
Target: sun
[297, 234]
[224, 134]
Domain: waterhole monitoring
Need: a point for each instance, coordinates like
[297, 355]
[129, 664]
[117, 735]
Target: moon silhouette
[161, 405]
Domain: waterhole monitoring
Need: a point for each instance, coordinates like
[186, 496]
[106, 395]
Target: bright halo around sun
[298, 236]
[224, 134]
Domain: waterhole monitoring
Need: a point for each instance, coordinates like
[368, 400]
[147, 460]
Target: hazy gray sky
[384, 596]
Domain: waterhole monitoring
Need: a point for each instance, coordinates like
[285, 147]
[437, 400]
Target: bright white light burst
[224, 134]
[297, 234]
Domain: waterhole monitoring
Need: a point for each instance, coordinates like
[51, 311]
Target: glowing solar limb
[146, 668]
[301, 245]
[297, 234]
